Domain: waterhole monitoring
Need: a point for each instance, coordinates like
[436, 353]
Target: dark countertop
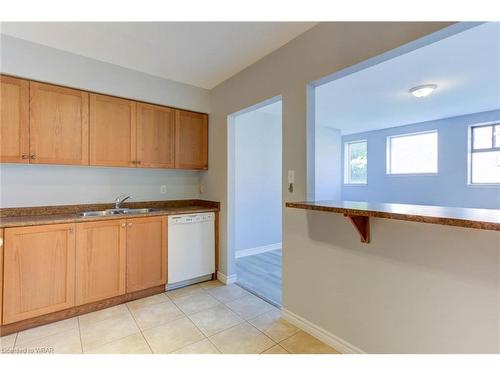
[28, 216]
[476, 218]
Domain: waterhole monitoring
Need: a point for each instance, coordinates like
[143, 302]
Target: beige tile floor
[206, 318]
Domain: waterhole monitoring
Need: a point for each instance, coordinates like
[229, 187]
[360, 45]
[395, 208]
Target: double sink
[119, 211]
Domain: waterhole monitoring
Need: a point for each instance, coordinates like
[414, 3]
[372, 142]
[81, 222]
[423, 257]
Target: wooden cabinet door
[39, 271]
[146, 252]
[112, 131]
[1, 274]
[191, 140]
[59, 125]
[14, 128]
[155, 136]
[100, 260]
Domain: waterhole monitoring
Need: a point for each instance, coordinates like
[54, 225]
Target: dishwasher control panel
[195, 218]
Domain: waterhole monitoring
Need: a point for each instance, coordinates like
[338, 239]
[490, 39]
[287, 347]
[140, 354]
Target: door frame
[231, 183]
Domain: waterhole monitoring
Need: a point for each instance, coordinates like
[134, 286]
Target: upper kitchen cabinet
[155, 136]
[191, 140]
[14, 129]
[112, 131]
[59, 125]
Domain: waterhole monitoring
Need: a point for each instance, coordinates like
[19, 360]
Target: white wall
[417, 287]
[48, 185]
[257, 186]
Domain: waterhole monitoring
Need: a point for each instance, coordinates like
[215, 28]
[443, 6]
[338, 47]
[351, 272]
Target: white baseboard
[257, 250]
[231, 279]
[329, 338]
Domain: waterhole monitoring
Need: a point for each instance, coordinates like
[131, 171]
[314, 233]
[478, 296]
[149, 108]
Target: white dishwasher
[191, 248]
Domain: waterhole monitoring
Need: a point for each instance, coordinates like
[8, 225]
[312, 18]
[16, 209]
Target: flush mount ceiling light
[423, 90]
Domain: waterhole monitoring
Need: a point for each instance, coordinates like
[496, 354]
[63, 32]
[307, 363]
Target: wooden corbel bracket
[362, 225]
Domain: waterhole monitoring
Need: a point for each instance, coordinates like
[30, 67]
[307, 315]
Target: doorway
[256, 212]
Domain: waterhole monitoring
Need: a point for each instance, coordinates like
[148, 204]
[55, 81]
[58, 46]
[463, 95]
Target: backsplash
[42, 185]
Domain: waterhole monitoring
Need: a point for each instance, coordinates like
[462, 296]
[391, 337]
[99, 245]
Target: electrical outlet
[201, 188]
[163, 189]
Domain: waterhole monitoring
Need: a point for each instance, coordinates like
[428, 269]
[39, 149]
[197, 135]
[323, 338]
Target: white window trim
[388, 155]
[346, 179]
[471, 184]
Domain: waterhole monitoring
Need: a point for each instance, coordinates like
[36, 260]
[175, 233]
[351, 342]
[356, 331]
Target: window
[355, 162]
[415, 153]
[485, 154]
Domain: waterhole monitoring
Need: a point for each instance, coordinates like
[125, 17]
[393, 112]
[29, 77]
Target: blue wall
[258, 179]
[327, 159]
[448, 188]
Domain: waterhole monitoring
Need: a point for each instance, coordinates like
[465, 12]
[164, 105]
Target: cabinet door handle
[24, 157]
[33, 156]
[129, 225]
[137, 162]
[123, 225]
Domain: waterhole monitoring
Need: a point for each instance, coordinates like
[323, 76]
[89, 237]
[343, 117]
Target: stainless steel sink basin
[118, 211]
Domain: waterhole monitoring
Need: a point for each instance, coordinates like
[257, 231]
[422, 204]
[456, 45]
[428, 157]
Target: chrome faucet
[120, 199]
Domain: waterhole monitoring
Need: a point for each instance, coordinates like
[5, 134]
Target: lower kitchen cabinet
[100, 260]
[146, 252]
[49, 268]
[1, 274]
[39, 270]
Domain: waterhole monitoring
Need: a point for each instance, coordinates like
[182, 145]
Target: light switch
[291, 180]
[163, 189]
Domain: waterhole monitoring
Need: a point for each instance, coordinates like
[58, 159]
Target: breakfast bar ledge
[359, 214]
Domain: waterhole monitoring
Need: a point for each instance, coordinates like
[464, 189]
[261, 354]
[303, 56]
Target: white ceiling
[466, 68]
[202, 54]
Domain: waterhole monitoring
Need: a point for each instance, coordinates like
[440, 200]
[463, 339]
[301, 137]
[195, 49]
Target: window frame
[389, 152]
[347, 159]
[472, 151]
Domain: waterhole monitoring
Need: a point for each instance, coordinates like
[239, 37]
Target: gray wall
[417, 287]
[47, 185]
[257, 169]
[40, 185]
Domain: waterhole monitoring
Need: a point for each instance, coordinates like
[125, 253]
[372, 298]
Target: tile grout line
[46, 336]
[244, 320]
[101, 320]
[220, 303]
[198, 328]
[140, 329]
[80, 333]
[223, 330]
